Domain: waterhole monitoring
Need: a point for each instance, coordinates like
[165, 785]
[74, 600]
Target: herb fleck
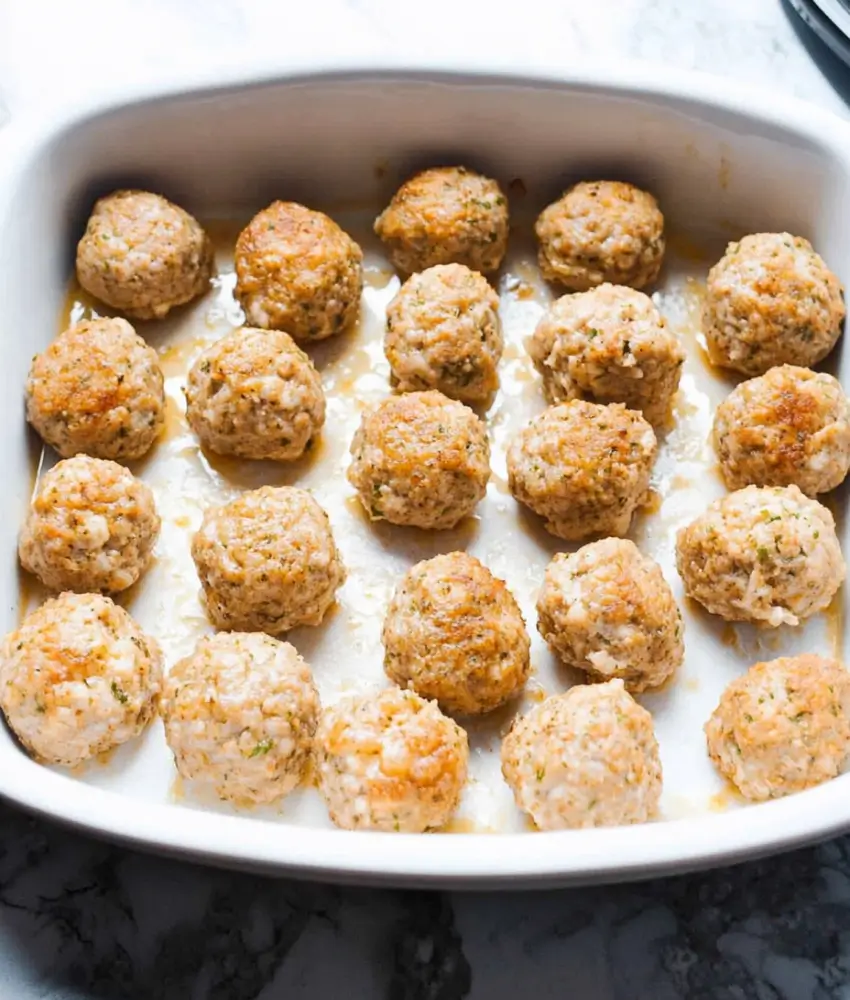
[118, 694]
[262, 747]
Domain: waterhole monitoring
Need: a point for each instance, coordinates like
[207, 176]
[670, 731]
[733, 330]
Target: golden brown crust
[601, 231]
[390, 761]
[443, 332]
[790, 426]
[771, 300]
[298, 271]
[782, 727]
[255, 394]
[97, 389]
[453, 632]
[420, 459]
[446, 215]
[143, 255]
[583, 467]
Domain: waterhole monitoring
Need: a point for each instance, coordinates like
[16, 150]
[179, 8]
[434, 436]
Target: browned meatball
[446, 215]
[453, 632]
[782, 727]
[601, 231]
[771, 300]
[420, 459]
[79, 678]
[790, 426]
[255, 394]
[143, 255]
[297, 271]
[583, 467]
[267, 561]
[443, 332]
[92, 526]
[97, 389]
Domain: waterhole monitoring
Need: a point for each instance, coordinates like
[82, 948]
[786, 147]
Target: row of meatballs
[242, 714]
[267, 560]
[255, 394]
[771, 300]
[420, 458]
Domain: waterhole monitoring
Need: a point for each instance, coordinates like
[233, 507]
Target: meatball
[608, 610]
[91, 526]
[782, 727]
[143, 255]
[789, 426]
[79, 677]
[583, 759]
[445, 215]
[771, 300]
[443, 332]
[612, 345]
[255, 394]
[297, 271]
[390, 761]
[97, 389]
[240, 715]
[421, 460]
[267, 561]
[583, 467]
[767, 555]
[453, 632]
[601, 231]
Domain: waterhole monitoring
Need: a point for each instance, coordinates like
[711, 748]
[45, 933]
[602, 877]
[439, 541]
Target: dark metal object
[819, 21]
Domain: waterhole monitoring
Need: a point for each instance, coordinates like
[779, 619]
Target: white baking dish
[722, 163]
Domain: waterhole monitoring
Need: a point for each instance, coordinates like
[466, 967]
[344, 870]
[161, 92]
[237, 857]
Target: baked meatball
[390, 761]
[79, 677]
[297, 271]
[267, 561]
[453, 632]
[143, 255]
[608, 610]
[782, 727]
[767, 555]
[583, 759]
[97, 389]
[771, 300]
[240, 715]
[255, 394]
[91, 526]
[443, 332]
[601, 231]
[445, 215]
[420, 459]
[789, 426]
[612, 345]
[583, 467]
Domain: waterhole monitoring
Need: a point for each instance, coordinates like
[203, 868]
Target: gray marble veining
[79, 918]
[83, 919]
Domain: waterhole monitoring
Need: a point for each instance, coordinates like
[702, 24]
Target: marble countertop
[83, 919]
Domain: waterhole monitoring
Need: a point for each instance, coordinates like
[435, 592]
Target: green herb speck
[262, 747]
[118, 694]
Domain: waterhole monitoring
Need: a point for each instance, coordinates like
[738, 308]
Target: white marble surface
[80, 919]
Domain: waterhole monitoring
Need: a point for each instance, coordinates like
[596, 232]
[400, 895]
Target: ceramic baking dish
[722, 162]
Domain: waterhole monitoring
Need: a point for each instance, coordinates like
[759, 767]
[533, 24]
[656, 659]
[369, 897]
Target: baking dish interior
[348, 139]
